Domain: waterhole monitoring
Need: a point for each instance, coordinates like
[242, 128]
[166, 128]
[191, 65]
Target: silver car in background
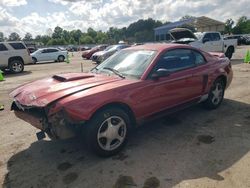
[49, 54]
[100, 56]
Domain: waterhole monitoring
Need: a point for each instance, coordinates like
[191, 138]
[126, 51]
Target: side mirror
[160, 73]
[205, 40]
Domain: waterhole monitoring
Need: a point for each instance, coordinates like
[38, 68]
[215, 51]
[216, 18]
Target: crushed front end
[56, 126]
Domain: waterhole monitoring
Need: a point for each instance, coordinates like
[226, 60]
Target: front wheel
[16, 66]
[216, 95]
[107, 132]
[61, 58]
[229, 53]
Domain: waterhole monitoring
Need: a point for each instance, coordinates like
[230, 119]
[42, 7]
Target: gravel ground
[192, 148]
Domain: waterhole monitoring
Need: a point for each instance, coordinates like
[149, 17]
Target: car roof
[159, 46]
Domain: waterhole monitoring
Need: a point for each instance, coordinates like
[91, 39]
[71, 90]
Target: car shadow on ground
[193, 143]
[237, 61]
[8, 74]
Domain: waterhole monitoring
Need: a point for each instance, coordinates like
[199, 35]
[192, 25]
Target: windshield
[108, 48]
[129, 63]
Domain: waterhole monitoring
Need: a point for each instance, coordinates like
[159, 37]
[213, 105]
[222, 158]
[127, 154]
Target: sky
[42, 16]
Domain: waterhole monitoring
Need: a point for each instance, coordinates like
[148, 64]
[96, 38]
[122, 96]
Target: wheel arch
[123, 106]
[231, 47]
[15, 58]
[223, 78]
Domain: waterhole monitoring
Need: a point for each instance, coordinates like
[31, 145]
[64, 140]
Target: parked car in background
[100, 56]
[241, 39]
[88, 53]
[49, 54]
[32, 49]
[83, 48]
[13, 56]
[134, 85]
[71, 48]
[206, 41]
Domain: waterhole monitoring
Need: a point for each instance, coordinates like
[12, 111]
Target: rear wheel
[16, 66]
[107, 132]
[216, 95]
[229, 52]
[61, 58]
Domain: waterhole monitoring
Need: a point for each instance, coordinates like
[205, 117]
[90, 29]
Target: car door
[53, 54]
[212, 42]
[217, 43]
[43, 55]
[177, 88]
[4, 55]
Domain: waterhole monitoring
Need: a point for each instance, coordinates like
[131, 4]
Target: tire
[61, 58]
[16, 66]
[229, 52]
[216, 95]
[34, 60]
[102, 135]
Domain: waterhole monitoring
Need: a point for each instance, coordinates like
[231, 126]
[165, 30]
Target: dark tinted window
[17, 45]
[215, 36]
[208, 36]
[45, 51]
[3, 47]
[175, 60]
[199, 59]
[212, 36]
[51, 50]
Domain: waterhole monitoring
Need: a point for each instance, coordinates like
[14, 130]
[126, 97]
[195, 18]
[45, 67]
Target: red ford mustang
[132, 86]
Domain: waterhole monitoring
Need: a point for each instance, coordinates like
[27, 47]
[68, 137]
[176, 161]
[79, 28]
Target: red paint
[80, 95]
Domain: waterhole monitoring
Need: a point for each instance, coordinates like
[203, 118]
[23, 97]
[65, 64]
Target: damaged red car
[133, 86]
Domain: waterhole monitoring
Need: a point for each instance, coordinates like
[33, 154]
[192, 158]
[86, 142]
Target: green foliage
[27, 37]
[87, 40]
[14, 37]
[1, 37]
[229, 26]
[58, 33]
[242, 26]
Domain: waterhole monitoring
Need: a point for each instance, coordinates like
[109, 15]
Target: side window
[208, 37]
[52, 50]
[216, 36]
[45, 51]
[17, 46]
[199, 59]
[3, 47]
[176, 60]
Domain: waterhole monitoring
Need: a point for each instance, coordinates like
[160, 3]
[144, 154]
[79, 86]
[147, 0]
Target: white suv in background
[13, 56]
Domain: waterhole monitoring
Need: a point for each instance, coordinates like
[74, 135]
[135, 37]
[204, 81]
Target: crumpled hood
[42, 92]
[182, 33]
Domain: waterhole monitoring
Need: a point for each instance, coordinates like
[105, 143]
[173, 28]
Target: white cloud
[100, 14]
[59, 1]
[13, 3]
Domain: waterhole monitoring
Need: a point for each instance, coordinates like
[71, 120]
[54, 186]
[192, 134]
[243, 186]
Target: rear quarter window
[17, 46]
[3, 47]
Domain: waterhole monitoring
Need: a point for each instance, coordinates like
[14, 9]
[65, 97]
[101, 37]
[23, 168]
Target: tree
[27, 37]
[14, 37]
[87, 40]
[242, 26]
[229, 25]
[58, 33]
[1, 37]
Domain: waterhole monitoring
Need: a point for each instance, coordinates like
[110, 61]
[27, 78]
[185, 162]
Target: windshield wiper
[94, 69]
[114, 71]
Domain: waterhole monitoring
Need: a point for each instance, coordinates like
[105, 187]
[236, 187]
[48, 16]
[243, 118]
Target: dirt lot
[192, 148]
